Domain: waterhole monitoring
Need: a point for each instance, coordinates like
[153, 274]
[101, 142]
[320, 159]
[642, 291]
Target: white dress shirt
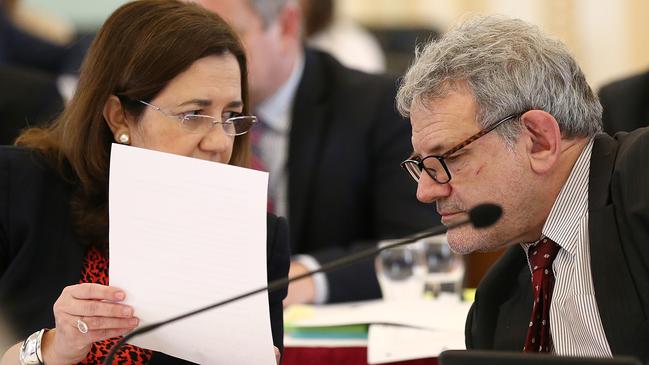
[275, 112]
[575, 324]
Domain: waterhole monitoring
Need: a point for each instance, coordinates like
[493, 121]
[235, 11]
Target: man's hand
[301, 291]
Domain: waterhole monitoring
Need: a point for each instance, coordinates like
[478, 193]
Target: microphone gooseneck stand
[481, 216]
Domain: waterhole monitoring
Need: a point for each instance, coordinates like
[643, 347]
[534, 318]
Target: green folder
[355, 331]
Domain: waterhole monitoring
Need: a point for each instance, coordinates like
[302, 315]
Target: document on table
[399, 330]
[185, 233]
[445, 313]
[388, 343]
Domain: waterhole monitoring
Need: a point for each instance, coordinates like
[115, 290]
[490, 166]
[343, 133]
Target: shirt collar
[275, 111]
[570, 206]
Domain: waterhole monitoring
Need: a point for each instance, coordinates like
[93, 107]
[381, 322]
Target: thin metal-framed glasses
[435, 166]
[196, 123]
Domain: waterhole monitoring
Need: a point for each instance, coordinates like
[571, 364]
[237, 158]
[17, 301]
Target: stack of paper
[398, 330]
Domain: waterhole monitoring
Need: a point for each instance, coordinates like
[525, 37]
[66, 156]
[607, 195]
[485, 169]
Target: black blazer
[346, 189]
[626, 104]
[618, 204]
[32, 99]
[40, 255]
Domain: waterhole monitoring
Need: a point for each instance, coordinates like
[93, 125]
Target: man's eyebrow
[413, 154]
[436, 149]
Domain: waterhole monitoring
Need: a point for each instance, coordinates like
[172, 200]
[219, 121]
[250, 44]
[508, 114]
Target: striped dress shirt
[575, 325]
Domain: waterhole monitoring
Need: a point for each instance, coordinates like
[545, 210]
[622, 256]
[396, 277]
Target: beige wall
[609, 38]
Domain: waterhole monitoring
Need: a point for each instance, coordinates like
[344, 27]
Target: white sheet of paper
[446, 313]
[185, 233]
[290, 341]
[388, 343]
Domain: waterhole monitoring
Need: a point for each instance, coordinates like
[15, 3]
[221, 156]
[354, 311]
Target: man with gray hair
[502, 113]
[332, 141]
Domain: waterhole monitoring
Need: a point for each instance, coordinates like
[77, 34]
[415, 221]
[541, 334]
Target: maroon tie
[256, 161]
[541, 255]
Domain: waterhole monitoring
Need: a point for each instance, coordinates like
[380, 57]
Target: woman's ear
[115, 117]
[543, 145]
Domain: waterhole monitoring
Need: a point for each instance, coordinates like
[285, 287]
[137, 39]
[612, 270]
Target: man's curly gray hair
[509, 66]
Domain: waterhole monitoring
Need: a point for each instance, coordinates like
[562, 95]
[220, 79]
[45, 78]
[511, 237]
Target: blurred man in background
[38, 74]
[351, 44]
[332, 140]
[626, 104]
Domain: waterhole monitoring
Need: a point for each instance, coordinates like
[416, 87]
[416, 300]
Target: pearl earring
[123, 138]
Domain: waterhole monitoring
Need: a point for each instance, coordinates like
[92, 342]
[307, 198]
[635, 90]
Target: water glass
[401, 272]
[444, 268]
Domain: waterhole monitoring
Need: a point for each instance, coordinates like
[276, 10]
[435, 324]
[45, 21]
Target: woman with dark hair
[156, 76]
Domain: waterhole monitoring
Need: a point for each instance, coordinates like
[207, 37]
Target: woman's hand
[278, 355]
[89, 308]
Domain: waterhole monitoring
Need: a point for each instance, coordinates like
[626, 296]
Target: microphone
[481, 216]
[484, 215]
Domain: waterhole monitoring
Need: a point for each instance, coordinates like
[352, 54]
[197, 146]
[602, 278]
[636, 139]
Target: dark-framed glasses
[196, 123]
[435, 165]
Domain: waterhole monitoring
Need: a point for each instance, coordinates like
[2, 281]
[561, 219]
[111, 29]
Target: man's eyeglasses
[196, 123]
[435, 166]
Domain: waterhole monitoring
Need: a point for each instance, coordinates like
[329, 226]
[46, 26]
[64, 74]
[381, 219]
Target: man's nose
[429, 190]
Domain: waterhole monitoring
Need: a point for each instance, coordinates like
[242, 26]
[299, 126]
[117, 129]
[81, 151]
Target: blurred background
[608, 37]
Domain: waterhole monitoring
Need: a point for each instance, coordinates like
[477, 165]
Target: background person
[502, 113]
[347, 41]
[37, 73]
[625, 103]
[155, 67]
[332, 141]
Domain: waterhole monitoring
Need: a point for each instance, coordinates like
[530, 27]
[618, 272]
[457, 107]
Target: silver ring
[82, 326]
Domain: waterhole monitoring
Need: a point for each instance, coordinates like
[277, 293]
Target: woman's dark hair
[141, 47]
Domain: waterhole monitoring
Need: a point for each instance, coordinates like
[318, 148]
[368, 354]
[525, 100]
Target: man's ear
[290, 23]
[115, 117]
[543, 140]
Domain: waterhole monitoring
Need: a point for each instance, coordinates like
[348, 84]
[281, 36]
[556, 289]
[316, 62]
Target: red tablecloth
[337, 356]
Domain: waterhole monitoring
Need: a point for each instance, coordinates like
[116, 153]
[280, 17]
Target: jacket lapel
[308, 131]
[614, 291]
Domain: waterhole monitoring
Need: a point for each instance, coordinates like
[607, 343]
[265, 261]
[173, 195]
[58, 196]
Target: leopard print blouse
[95, 270]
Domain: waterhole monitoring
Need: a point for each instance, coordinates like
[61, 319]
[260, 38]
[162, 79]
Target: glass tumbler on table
[401, 272]
[444, 268]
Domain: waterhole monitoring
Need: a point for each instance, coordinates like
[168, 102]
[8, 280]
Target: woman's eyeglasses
[196, 123]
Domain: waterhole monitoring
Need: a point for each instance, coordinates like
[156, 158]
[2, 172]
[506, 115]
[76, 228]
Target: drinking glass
[444, 268]
[401, 272]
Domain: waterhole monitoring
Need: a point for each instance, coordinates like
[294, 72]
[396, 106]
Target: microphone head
[485, 215]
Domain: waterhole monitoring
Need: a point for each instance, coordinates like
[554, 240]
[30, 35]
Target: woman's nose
[216, 140]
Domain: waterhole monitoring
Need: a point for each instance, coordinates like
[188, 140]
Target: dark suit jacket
[346, 189]
[626, 104]
[29, 98]
[618, 204]
[40, 255]
[20, 48]
[29, 67]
